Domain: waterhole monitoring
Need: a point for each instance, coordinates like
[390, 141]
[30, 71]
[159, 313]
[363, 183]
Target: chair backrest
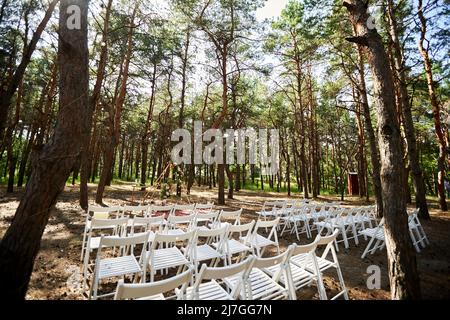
[211, 233]
[104, 212]
[219, 235]
[118, 225]
[241, 228]
[272, 261]
[267, 224]
[211, 216]
[148, 223]
[231, 215]
[173, 221]
[108, 242]
[303, 249]
[183, 209]
[210, 273]
[161, 238]
[137, 210]
[146, 290]
[203, 208]
[161, 210]
[269, 206]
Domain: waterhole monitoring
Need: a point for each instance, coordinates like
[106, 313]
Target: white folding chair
[212, 290]
[154, 290]
[164, 253]
[232, 217]
[116, 228]
[324, 263]
[377, 239]
[297, 221]
[301, 277]
[203, 220]
[176, 225]
[136, 211]
[270, 208]
[416, 231]
[260, 286]
[124, 264]
[99, 213]
[149, 225]
[204, 251]
[258, 242]
[233, 246]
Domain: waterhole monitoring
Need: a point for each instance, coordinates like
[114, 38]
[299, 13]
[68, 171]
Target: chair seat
[203, 228]
[235, 246]
[297, 218]
[168, 258]
[300, 276]
[262, 286]
[304, 261]
[259, 241]
[209, 291]
[266, 213]
[115, 267]
[377, 233]
[205, 252]
[175, 232]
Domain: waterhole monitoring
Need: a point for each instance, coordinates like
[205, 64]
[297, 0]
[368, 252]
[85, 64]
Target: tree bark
[86, 156]
[404, 279]
[410, 131]
[52, 166]
[374, 152]
[118, 108]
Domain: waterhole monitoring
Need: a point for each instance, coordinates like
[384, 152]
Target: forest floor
[56, 270]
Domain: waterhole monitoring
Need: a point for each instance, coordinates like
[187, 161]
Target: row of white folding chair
[127, 227]
[164, 253]
[254, 278]
[347, 221]
[296, 222]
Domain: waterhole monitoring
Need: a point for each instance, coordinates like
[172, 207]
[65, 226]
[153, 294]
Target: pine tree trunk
[410, 131]
[374, 152]
[86, 157]
[51, 167]
[404, 279]
[436, 109]
[115, 125]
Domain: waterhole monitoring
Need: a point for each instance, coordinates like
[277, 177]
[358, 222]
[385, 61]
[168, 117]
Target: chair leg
[341, 281]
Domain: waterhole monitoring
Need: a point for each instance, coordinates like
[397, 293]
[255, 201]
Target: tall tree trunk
[20, 245]
[146, 136]
[435, 106]
[86, 157]
[374, 153]
[410, 132]
[404, 279]
[118, 108]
